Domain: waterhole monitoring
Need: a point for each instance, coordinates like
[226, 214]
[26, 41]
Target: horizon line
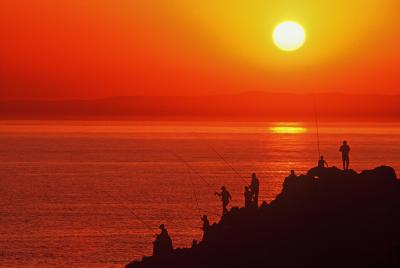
[207, 95]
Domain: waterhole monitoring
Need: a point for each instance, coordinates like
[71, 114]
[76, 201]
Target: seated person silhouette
[289, 179]
[162, 246]
[322, 163]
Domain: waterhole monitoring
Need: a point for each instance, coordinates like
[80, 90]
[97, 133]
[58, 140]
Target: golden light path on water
[288, 128]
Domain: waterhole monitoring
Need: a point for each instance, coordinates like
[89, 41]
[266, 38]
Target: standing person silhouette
[225, 198]
[255, 188]
[248, 195]
[345, 150]
[206, 227]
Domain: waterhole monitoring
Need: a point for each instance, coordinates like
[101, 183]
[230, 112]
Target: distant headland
[326, 218]
[256, 106]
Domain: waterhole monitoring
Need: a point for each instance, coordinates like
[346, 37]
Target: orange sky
[97, 48]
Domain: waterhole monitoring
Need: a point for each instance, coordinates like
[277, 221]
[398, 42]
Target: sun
[289, 36]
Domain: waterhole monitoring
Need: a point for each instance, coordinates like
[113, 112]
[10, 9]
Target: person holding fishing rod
[225, 198]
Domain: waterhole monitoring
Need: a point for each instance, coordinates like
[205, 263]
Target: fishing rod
[226, 162]
[195, 196]
[131, 211]
[191, 168]
[141, 251]
[316, 122]
[199, 210]
[192, 184]
[118, 201]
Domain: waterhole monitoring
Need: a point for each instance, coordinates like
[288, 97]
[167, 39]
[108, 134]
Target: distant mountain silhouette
[327, 218]
[255, 106]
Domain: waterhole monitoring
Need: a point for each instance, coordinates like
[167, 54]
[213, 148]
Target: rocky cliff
[327, 218]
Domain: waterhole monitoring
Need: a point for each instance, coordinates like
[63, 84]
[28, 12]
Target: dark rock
[327, 218]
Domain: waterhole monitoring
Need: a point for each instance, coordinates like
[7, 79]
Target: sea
[93, 193]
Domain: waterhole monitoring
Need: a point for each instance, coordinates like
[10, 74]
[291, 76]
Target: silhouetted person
[345, 150]
[322, 163]
[247, 197]
[255, 188]
[206, 227]
[225, 198]
[163, 244]
[292, 176]
[206, 223]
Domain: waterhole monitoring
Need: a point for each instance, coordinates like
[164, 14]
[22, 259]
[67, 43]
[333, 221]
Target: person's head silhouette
[344, 142]
[322, 157]
[223, 188]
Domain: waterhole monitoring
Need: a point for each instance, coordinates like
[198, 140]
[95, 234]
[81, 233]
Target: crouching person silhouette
[162, 246]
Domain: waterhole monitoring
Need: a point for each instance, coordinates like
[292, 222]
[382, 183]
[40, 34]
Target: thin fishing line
[195, 196]
[193, 186]
[226, 162]
[131, 211]
[191, 168]
[316, 122]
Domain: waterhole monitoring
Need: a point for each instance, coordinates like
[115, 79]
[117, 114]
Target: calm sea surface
[85, 194]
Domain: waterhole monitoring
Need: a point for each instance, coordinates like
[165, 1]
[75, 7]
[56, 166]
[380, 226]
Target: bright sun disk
[289, 36]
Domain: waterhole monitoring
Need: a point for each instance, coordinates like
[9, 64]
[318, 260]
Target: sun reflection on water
[288, 128]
